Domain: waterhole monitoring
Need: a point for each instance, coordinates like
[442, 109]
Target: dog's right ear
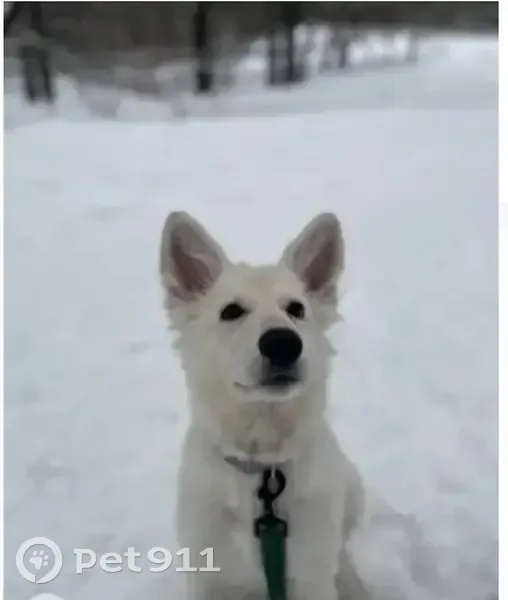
[191, 261]
[317, 256]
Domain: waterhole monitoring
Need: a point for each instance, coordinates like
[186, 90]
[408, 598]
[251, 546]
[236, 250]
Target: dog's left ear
[317, 256]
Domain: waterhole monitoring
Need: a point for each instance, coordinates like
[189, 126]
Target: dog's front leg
[313, 544]
[349, 584]
[221, 576]
[312, 567]
[315, 589]
[196, 587]
[197, 533]
[202, 587]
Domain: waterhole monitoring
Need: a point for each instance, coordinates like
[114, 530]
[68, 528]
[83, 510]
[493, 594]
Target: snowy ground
[95, 401]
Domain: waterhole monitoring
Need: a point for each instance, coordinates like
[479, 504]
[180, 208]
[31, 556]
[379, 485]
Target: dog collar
[249, 466]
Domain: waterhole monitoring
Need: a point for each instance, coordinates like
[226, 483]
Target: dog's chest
[240, 510]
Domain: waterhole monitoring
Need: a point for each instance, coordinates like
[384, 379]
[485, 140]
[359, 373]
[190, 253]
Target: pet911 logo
[40, 560]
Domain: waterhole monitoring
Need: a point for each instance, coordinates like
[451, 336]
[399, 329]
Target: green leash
[272, 532]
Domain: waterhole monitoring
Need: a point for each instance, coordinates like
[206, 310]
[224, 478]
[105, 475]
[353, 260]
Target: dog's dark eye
[232, 312]
[296, 309]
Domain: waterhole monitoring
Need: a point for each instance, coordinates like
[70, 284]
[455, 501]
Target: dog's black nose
[281, 346]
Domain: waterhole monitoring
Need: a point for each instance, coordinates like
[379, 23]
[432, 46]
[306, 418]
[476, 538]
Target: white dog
[256, 359]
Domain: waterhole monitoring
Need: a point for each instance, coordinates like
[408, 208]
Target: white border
[2, 307]
[503, 300]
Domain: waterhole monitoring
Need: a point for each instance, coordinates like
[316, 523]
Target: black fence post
[203, 48]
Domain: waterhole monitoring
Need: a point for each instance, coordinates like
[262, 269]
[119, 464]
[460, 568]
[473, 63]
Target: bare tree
[203, 48]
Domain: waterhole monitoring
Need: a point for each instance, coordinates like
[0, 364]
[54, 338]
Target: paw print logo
[39, 559]
[33, 569]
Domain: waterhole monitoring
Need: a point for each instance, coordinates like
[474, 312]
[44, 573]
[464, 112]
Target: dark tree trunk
[272, 57]
[343, 47]
[13, 13]
[43, 59]
[291, 17]
[283, 64]
[34, 52]
[203, 48]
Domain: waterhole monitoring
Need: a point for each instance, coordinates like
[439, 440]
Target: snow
[94, 398]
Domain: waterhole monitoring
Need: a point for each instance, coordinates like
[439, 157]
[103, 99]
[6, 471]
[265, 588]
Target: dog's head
[252, 333]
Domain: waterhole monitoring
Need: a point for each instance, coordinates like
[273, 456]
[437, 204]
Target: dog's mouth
[280, 380]
[275, 382]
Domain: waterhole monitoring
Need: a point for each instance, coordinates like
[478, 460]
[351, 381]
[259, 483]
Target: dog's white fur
[231, 415]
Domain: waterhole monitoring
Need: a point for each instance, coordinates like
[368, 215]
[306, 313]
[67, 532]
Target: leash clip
[272, 486]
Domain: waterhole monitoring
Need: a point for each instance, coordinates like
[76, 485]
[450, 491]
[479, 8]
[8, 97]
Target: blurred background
[172, 51]
[253, 117]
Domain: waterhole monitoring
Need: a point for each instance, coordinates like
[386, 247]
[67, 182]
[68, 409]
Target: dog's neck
[253, 436]
[255, 446]
[249, 466]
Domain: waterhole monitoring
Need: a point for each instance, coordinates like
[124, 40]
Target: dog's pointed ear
[191, 261]
[317, 256]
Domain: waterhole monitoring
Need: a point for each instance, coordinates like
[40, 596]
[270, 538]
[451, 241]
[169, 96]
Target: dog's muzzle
[280, 349]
